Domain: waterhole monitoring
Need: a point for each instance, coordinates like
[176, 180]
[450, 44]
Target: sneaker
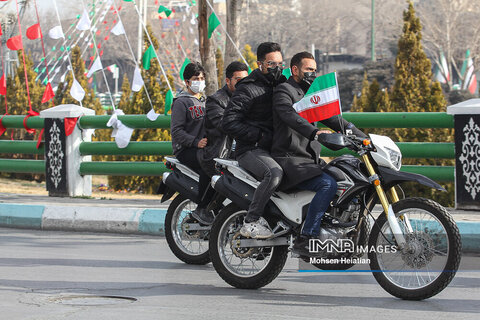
[256, 230]
[203, 216]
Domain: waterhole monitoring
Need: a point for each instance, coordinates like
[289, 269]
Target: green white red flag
[321, 101]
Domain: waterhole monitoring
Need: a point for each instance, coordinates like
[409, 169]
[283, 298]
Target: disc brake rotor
[419, 251]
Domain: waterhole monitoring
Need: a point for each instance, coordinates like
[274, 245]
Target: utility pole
[140, 33]
[373, 31]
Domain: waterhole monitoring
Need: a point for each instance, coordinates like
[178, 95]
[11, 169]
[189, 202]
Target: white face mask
[197, 86]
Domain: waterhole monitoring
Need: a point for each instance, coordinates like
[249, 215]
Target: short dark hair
[234, 67]
[193, 69]
[265, 48]
[297, 58]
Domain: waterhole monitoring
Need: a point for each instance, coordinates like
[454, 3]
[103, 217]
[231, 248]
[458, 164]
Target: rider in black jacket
[292, 146]
[248, 118]
[214, 108]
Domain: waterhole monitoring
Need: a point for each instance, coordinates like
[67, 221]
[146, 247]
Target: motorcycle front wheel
[431, 255]
[244, 268]
[190, 246]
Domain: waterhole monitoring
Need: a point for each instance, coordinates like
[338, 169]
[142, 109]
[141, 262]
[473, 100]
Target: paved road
[55, 275]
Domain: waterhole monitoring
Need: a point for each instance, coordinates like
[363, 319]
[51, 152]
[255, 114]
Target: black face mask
[309, 77]
[274, 74]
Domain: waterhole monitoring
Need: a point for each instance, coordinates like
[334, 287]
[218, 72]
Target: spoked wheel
[187, 239]
[430, 258]
[244, 268]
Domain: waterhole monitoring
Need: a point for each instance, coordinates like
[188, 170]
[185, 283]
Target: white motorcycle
[425, 238]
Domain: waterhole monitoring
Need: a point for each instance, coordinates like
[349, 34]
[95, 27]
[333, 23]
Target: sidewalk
[137, 216]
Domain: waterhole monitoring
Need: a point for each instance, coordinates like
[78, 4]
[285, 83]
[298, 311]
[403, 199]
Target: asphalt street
[59, 275]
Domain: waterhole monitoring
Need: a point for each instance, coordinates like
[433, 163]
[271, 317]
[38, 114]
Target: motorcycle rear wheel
[189, 246]
[244, 268]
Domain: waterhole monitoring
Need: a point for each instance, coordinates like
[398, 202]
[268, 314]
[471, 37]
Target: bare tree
[234, 10]
[451, 27]
[207, 50]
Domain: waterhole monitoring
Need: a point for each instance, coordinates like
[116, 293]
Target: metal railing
[437, 150]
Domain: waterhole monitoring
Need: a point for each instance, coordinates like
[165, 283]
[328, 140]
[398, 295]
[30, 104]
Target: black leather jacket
[248, 116]
[293, 136]
[215, 107]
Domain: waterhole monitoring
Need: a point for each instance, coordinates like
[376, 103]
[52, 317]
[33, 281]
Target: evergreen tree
[361, 103]
[17, 100]
[17, 94]
[220, 67]
[374, 97]
[415, 91]
[139, 104]
[250, 57]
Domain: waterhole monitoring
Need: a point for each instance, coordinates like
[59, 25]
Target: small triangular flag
[213, 23]
[56, 33]
[118, 29]
[182, 69]
[34, 32]
[84, 23]
[97, 65]
[152, 115]
[3, 85]
[48, 94]
[168, 101]
[167, 11]
[148, 56]
[76, 91]
[15, 43]
[137, 82]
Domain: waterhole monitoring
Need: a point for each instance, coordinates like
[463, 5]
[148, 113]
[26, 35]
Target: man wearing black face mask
[248, 119]
[292, 149]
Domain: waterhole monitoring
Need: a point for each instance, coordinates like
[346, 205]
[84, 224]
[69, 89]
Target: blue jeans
[325, 187]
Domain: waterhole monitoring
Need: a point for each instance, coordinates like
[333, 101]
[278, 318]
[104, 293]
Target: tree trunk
[234, 9]
[207, 50]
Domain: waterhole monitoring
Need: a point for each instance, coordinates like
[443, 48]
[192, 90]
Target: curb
[92, 219]
[133, 221]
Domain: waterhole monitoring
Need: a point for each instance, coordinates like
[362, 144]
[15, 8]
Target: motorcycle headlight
[395, 158]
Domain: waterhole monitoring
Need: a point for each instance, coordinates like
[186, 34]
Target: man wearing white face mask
[188, 133]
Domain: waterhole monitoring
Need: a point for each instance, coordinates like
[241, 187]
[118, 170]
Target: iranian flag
[321, 101]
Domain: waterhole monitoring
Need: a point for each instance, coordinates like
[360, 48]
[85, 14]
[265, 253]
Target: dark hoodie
[248, 116]
[187, 122]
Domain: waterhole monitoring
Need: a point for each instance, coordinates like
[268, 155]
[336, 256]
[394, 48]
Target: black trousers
[189, 158]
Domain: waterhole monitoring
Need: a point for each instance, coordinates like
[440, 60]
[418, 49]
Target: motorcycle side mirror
[333, 141]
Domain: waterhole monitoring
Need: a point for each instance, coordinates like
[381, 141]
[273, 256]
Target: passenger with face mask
[188, 133]
[248, 119]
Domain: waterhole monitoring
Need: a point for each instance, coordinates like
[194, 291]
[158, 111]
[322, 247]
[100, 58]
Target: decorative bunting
[69, 124]
[148, 56]
[137, 82]
[213, 23]
[3, 85]
[15, 43]
[182, 69]
[34, 32]
[118, 29]
[164, 9]
[168, 101]
[152, 115]
[97, 65]
[48, 94]
[84, 23]
[76, 91]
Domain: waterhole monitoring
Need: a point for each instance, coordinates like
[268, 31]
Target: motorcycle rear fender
[392, 177]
